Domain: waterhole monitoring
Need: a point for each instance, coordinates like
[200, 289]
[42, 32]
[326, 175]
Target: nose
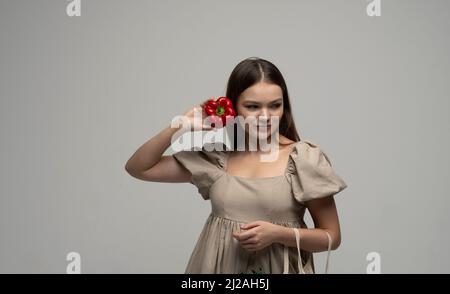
[264, 115]
[263, 120]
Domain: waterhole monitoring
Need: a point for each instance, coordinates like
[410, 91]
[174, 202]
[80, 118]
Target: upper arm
[166, 170]
[324, 214]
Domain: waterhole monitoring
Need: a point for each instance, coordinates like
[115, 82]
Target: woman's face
[261, 101]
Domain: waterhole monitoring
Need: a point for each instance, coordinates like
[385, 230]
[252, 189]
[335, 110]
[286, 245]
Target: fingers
[249, 232]
[207, 128]
[247, 241]
[250, 225]
[250, 241]
[204, 126]
[245, 236]
[206, 101]
[198, 107]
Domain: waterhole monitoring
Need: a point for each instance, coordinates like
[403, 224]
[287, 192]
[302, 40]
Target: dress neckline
[286, 168]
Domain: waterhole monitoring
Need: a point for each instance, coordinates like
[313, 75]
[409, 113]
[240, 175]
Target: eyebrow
[257, 102]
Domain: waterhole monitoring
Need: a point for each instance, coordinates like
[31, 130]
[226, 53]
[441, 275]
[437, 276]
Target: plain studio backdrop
[80, 94]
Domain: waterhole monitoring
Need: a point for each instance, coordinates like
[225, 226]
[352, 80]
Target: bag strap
[329, 251]
[301, 270]
[299, 260]
[286, 259]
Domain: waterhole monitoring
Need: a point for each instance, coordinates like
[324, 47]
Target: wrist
[283, 235]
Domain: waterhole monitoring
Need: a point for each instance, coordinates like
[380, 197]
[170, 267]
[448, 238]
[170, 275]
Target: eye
[276, 105]
[251, 106]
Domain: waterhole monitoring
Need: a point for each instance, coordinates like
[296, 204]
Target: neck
[258, 147]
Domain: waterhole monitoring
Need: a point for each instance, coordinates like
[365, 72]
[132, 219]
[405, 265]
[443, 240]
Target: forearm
[313, 240]
[151, 151]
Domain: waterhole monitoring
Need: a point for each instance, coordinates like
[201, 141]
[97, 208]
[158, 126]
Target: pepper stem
[220, 110]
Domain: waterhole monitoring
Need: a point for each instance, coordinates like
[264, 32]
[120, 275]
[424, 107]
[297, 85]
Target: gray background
[80, 94]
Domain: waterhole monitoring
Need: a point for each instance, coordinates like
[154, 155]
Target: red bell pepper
[219, 109]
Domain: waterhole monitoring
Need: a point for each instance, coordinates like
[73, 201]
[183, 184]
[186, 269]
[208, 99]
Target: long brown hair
[254, 70]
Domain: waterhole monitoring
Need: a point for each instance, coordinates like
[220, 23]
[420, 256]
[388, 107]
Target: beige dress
[237, 200]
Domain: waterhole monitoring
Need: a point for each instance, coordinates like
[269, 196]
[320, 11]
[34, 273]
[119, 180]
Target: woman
[256, 223]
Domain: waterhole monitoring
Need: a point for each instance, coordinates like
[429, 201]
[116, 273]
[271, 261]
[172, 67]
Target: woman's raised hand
[196, 116]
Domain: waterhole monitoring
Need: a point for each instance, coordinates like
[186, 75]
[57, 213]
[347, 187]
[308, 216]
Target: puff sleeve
[205, 167]
[311, 174]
